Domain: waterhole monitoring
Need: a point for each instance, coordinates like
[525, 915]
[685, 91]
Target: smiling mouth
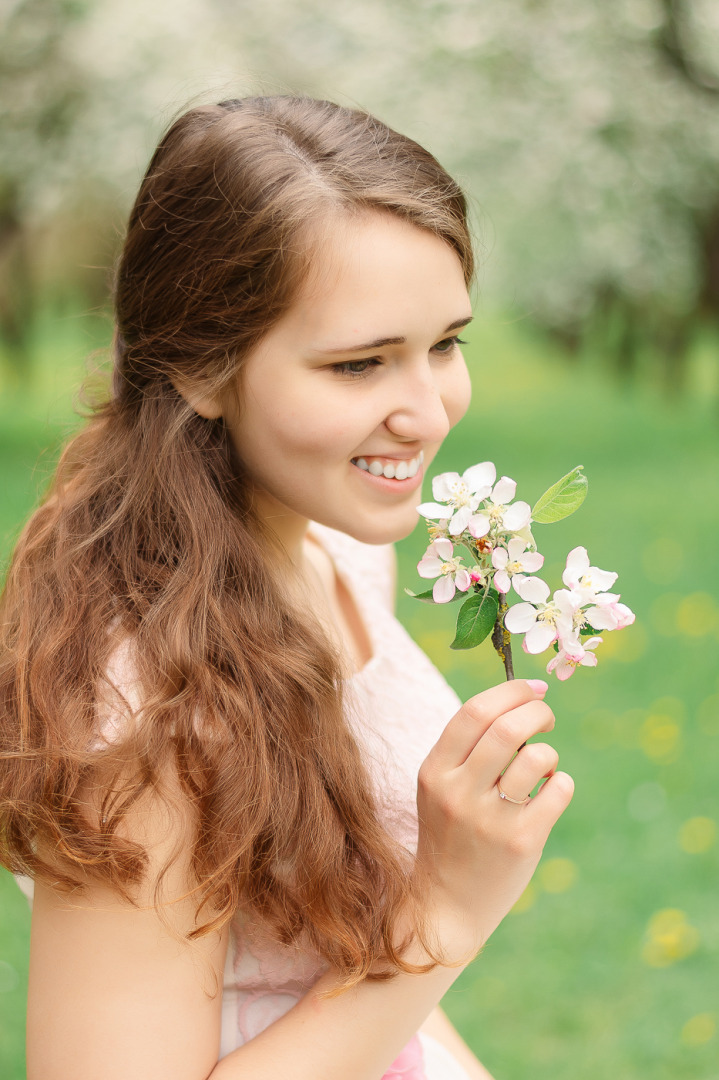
[390, 468]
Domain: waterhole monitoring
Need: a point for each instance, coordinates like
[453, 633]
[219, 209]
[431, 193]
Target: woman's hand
[480, 849]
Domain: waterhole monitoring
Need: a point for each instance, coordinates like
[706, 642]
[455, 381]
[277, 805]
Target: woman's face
[361, 379]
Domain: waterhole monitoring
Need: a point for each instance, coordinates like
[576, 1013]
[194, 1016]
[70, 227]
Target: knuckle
[474, 711]
[508, 729]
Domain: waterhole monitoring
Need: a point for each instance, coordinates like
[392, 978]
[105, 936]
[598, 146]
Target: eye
[447, 344]
[355, 368]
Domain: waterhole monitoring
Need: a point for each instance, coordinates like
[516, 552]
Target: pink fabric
[410, 1063]
[398, 705]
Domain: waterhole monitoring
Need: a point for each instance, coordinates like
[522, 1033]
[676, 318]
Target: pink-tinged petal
[431, 510]
[534, 590]
[626, 616]
[443, 486]
[504, 491]
[443, 590]
[459, 522]
[500, 558]
[478, 525]
[442, 547]
[588, 660]
[477, 477]
[516, 516]
[565, 669]
[462, 579]
[540, 637]
[592, 643]
[531, 561]
[430, 566]
[502, 581]
[520, 618]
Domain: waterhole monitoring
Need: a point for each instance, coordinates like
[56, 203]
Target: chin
[381, 532]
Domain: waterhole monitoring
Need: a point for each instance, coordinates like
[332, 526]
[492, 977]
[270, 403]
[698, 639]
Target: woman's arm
[440, 1027]
[117, 994]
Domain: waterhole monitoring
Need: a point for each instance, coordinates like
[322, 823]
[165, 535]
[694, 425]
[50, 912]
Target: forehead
[371, 274]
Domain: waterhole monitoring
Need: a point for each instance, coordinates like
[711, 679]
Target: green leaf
[562, 499]
[428, 598]
[475, 620]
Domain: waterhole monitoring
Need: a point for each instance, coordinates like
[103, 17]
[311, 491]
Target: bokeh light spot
[660, 738]
[697, 835]
[557, 875]
[697, 615]
[646, 801]
[699, 1030]
[670, 937]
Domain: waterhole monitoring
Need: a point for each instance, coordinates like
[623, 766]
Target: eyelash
[372, 361]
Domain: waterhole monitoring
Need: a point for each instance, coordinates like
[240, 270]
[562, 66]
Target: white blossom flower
[536, 619]
[572, 655]
[439, 561]
[584, 579]
[608, 614]
[514, 559]
[498, 514]
[460, 494]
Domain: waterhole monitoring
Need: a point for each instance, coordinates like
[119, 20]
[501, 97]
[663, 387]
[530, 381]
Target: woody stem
[502, 639]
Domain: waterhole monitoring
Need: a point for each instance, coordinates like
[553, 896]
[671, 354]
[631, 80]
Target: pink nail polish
[538, 685]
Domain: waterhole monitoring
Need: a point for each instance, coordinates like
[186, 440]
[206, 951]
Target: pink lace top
[399, 704]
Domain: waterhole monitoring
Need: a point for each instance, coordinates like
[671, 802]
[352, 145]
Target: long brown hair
[148, 537]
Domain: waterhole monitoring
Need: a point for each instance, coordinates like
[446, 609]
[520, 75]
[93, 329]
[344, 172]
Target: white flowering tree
[587, 133]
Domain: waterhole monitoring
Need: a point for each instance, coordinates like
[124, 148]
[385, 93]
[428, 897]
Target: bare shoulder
[102, 966]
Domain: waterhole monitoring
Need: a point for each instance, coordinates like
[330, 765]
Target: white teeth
[402, 470]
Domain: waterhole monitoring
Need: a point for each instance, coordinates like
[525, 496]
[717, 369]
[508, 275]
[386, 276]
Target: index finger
[477, 715]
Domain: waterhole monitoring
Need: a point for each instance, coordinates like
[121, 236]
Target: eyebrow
[380, 343]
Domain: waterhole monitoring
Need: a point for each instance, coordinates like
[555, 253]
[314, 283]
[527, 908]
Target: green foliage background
[607, 967]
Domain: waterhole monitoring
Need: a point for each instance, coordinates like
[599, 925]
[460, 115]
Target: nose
[419, 413]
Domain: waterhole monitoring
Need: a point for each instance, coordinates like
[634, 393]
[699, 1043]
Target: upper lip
[391, 457]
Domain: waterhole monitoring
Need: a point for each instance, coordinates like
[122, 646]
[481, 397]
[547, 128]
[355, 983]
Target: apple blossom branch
[478, 512]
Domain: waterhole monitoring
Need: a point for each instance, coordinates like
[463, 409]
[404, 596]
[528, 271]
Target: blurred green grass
[607, 966]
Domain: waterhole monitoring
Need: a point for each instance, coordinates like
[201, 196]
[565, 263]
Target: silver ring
[508, 798]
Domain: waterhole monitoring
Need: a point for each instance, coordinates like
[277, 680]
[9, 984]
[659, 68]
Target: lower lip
[392, 487]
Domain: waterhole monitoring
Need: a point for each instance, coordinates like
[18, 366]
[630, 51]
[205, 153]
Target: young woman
[264, 836]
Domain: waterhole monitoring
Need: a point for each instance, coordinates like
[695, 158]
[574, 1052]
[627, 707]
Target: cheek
[458, 395]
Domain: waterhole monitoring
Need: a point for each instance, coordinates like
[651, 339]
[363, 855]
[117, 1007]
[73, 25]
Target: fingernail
[538, 685]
